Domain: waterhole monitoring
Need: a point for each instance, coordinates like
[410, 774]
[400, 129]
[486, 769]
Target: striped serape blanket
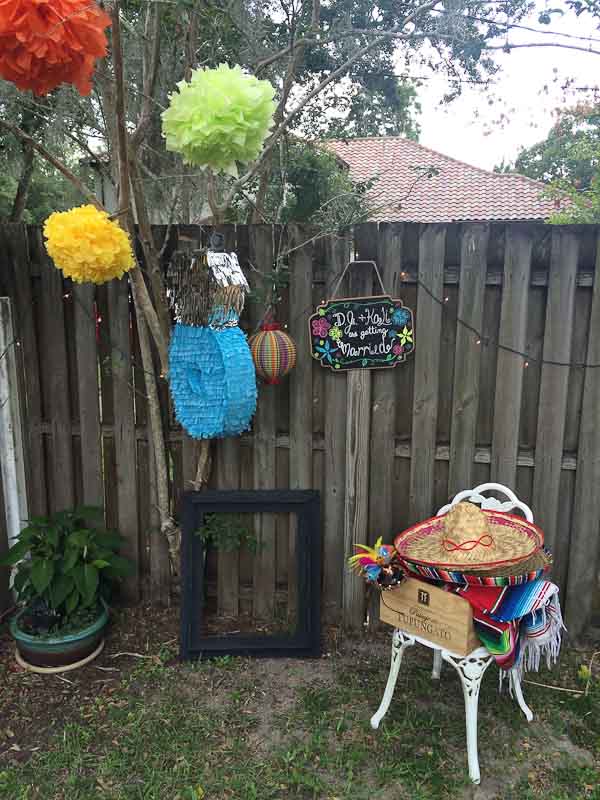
[519, 625]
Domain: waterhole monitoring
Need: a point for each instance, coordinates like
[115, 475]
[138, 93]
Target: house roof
[455, 192]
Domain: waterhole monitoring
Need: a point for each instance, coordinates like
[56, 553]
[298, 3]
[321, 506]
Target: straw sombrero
[507, 575]
[470, 540]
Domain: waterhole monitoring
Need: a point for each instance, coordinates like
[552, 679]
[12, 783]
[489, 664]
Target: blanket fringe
[541, 638]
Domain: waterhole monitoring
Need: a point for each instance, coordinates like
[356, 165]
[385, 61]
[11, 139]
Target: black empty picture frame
[306, 640]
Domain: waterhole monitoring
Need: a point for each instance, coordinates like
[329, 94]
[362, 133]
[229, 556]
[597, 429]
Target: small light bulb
[478, 341]
[446, 299]
[526, 364]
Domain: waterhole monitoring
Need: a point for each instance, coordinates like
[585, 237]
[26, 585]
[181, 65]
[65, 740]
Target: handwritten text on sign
[362, 333]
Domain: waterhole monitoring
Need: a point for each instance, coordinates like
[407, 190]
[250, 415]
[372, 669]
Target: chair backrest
[492, 503]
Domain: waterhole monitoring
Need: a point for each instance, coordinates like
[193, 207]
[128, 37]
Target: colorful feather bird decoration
[371, 560]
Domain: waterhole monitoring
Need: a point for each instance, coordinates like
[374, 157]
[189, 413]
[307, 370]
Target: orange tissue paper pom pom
[44, 43]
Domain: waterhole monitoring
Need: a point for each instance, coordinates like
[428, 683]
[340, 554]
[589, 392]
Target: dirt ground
[284, 728]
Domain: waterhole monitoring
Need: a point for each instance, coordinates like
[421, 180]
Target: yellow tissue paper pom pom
[87, 246]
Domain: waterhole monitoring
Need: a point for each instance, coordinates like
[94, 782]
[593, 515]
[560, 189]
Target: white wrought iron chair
[472, 667]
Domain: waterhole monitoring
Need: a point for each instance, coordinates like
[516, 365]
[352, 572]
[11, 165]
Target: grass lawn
[137, 725]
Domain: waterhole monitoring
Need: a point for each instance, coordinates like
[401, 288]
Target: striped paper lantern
[273, 351]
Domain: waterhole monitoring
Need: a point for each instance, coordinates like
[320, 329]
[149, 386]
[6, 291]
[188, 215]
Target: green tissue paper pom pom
[221, 116]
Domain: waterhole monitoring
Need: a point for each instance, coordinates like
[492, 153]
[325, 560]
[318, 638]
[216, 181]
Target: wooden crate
[431, 613]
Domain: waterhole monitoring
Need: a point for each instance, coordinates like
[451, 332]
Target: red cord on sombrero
[471, 544]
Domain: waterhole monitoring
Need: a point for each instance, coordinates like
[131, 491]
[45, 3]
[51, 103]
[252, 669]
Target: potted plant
[64, 570]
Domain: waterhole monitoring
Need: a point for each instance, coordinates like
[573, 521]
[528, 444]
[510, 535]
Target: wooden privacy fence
[506, 316]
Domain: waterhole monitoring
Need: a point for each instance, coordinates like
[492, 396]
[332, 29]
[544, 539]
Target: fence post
[11, 434]
[358, 435]
[334, 565]
[11, 441]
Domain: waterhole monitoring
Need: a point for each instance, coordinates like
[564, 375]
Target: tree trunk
[167, 524]
[258, 214]
[22, 194]
[146, 314]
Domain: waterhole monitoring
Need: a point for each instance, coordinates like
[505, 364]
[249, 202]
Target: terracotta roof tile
[458, 191]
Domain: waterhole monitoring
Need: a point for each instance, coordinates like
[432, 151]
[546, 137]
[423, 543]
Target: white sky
[467, 128]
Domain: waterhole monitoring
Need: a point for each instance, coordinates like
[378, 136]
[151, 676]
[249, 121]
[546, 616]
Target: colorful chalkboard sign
[361, 333]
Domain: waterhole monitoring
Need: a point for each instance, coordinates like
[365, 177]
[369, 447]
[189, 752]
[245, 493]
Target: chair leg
[470, 670]
[399, 642]
[437, 665]
[515, 687]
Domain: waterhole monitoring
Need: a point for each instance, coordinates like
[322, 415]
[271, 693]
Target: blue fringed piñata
[213, 382]
[212, 376]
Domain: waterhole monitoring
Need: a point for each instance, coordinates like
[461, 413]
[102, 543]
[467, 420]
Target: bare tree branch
[57, 163]
[150, 63]
[339, 72]
[139, 288]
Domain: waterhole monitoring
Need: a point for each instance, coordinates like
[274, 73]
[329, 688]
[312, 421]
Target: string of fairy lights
[480, 338]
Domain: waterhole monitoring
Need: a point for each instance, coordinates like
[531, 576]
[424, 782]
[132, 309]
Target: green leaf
[77, 573]
[100, 563]
[39, 522]
[79, 538]
[42, 572]
[88, 512]
[15, 554]
[86, 602]
[60, 589]
[90, 580]
[72, 601]
[27, 534]
[119, 567]
[52, 535]
[21, 578]
[109, 539]
[71, 558]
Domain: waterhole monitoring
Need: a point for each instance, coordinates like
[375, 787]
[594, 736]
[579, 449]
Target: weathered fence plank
[383, 397]
[428, 322]
[12, 461]
[417, 448]
[301, 384]
[227, 463]
[226, 466]
[124, 427]
[57, 383]
[14, 243]
[89, 409]
[585, 539]
[6, 599]
[553, 396]
[467, 359]
[509, 374]
[265, 430]
[358, 438]
[338, 254]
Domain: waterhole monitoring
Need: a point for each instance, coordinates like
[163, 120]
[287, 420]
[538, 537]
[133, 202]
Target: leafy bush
[64, 565]
[228, 532]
